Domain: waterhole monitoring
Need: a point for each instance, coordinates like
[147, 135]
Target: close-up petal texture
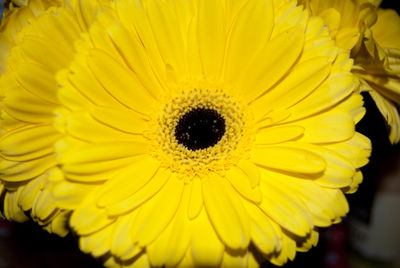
[173, 133]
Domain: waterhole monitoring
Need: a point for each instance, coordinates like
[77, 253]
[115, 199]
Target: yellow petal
[334, 89]
[342, 207]
[288, 15]
[83, 127]
[390, 113]
[309, 242]
[128, 181]
[39, 50]
[252, 261]
[339, 170]
[38, 81]
[21, 171]
[133, 51]
[239, 259]
[123, 120]
[121, 242]
[141, 261]
[28, 143]
[100, 38]
[285, 209]
[69, 195]
[357, 179]
[11, 209]
[346, 38]
[226, 212]
[59, 224]
[211, 26]
[305, 77]
[194, 62]
[254, 24]
[24, 106]
[44, 205]
[142, 195]
[288, 159]
[206, 248]
[30, 191]
[319, 205]
[170, 247]
[271, 64]
[357, 150]
[88, 218]
[352, 105]
[96, 158]
[279, 134]
[168, 34]
[288, 251]
[253, 174]
[241, 183]
[126, 10]
[196, 199]
[98, 243]
[79, 80]
[155, 215]
[120, 82]
[262, 233]
[327, 127]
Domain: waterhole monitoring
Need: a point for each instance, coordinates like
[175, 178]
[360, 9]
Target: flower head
[361, 27]
[30, 58]
[206, 133]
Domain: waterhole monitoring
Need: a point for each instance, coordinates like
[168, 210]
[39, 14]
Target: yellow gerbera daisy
[375, 48]
[30, 58]
[206, 133]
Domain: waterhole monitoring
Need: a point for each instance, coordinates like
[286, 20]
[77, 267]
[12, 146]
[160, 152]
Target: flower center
[200, 128]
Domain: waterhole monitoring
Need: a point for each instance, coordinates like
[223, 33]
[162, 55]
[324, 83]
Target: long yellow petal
[279, 134]
[226, 212]
[254, 24]
[170, 247]
[240, 181]
[88, 218]
[196, 199]
[18, 145]
[286, 210]
[127, 182]
[271, 64]
[211, 26]
[142, 195]
[121, 83]
[262, 233]
[163, 207]
[288, 159]
[206, 247]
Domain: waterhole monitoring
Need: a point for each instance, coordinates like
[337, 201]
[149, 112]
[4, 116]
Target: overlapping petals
[31, 57]
[361, 27]
[288, 155]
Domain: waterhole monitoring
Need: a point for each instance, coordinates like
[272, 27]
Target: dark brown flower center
[200, 128]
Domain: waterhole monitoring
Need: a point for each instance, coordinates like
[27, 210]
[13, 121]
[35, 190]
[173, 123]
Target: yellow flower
[36, 42]
[206, 133]
[347, 20]
[374, 47]
[380, 75]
